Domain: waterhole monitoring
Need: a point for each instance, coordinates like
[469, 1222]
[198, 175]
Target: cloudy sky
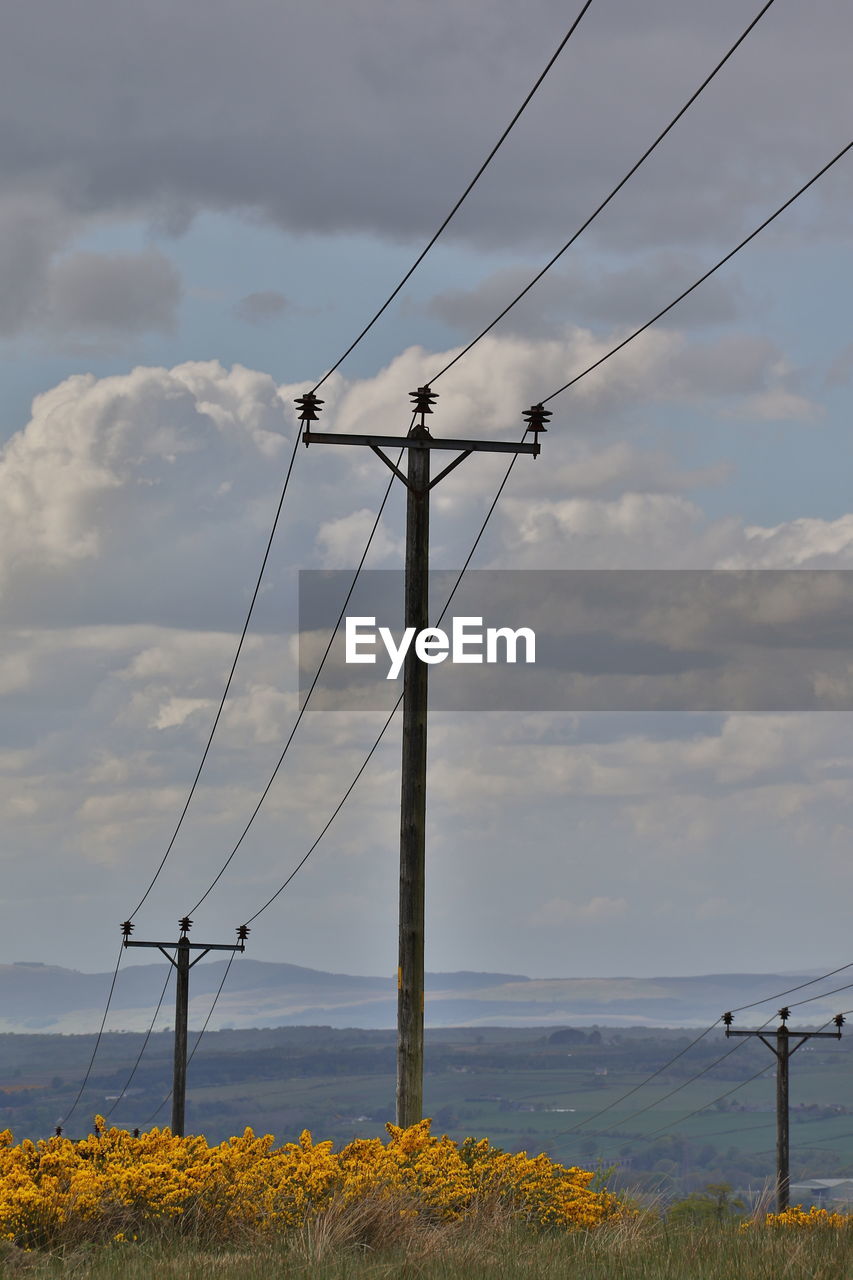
[200, 207]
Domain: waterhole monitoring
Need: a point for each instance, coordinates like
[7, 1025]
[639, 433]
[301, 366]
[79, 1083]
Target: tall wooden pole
[418, 444]
[179, 1071]
[782, 1143]
[410, 973]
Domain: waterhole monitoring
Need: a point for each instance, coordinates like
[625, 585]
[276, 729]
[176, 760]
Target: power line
[741, 1085]
[559, 391]
[460, 201]
[390, 717]
[302, 709]
[548, 265]
[697, 1076]
[821, 995]
[572, 382]
[655, 1132]
[364, 763]
[738, 1009]
[64, 1119]
[161, 1105]
[219, 709]
[799, 987]
[148, 1033]
[335, 366]
[766, 223]
[657, 1101]
[647, 153]
[642, 1084]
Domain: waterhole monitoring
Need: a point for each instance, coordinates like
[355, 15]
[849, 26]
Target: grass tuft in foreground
[352, 1243]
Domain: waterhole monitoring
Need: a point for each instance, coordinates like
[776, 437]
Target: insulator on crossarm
[728, 1019]
[127, 929]
[422, 401]
[785, 1013]
[243, 932]
[839, 1021]
[535, 417]
[185, 924]
[59, 1131]
[309, 411]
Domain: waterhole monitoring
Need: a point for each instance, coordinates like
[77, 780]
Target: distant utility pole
[783, 1050]
[419, 444]
[183, 964]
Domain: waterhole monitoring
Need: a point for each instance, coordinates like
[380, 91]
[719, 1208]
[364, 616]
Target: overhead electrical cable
[457, 206]
[658, 140]
[228, 682]
[200, 1035]
[707, 275]
[70, 1112]
[654, 318]
[364, 763]
[665, 1128]
[305, 703]
[565, 387]
[799, 987]
[795, 1004]
[714, 1101]
[584, 373]
[777, 995]
[678, 1088]
[144, 1046]
[389, 718]
[317, 386]
[740, 1085]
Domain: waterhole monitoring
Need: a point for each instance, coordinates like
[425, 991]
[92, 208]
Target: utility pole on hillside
[782, 1050]
[183, 964]
[419, 445]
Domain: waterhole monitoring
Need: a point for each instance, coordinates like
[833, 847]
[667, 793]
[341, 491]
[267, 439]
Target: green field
[516, 1086]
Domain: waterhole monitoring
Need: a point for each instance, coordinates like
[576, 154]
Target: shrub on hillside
[112, 1185]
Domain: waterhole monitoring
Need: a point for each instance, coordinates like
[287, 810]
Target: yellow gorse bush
[112, 1185]
[811, 1219]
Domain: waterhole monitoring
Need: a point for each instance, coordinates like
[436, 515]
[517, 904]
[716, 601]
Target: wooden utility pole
[410, 972]
[783, 1051]
[183, 964]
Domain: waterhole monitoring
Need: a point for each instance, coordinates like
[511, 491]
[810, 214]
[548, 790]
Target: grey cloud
[107, 294]
[589, 295]
[31, 231]
[369, 117]
[257, 308]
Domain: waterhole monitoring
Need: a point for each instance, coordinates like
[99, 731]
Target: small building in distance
[824, 1193]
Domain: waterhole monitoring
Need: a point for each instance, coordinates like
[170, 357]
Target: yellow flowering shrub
[112, 1186]
[811, 1219]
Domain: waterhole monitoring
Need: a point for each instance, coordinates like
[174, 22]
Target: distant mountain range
[36, 997]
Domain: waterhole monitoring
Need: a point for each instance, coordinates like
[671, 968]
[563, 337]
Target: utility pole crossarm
[420, 442]
[193, 946]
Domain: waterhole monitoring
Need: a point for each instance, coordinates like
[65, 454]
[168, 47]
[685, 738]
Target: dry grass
[379, 1239]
